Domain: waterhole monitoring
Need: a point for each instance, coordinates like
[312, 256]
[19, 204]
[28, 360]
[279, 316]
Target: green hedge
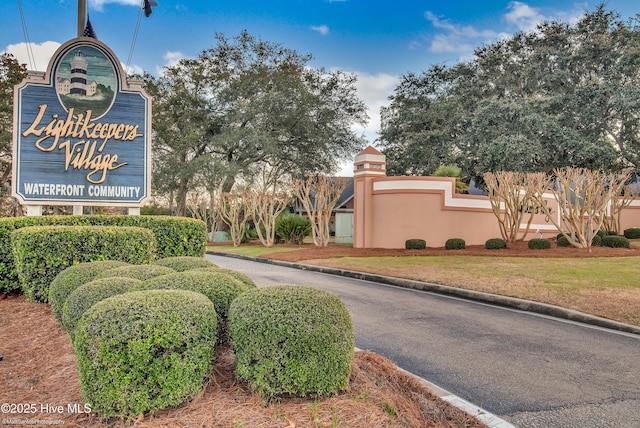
[495, 244]
[41, 252]
[182, 263]
[145, 350]
[175, 236]
[248, 282]
[415, 244]
[73, 277]
[616, 242]
[88, 295]
[141, 272]
[219, 287]
[632, 233]
[292, 339]
[539, 244]
[455, 244]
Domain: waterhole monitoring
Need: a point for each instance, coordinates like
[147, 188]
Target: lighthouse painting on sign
[86, 80]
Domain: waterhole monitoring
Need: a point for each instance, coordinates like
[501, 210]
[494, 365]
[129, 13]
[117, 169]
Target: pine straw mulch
[39, 367]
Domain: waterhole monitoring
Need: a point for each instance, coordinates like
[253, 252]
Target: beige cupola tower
[368, 165]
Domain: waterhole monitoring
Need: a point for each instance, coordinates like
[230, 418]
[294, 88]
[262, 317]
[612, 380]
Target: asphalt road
[531, 370]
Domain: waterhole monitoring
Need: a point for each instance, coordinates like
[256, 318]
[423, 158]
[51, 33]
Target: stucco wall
[390, 210]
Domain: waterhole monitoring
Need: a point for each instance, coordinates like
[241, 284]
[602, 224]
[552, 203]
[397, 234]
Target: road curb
[479, 296]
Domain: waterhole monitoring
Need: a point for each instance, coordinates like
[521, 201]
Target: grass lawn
[249, 250]
[608, 287]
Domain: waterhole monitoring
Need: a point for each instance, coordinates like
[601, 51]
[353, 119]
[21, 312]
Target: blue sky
[378, 40]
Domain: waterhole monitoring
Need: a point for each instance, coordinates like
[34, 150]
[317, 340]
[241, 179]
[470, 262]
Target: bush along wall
[292, 339]
[175, 236]
[632, 233]
[495, 244]
[455, 244]
[145, 350]
[415, 244]
[42, 252]
[539, 244]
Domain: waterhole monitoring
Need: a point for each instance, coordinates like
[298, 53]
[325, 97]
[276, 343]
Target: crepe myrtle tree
[512, 200]
[318, 195]
[583, 197]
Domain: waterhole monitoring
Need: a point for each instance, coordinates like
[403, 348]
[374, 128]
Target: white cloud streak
[520, 16]
[322, 29]
[42, 53]
[99, 4]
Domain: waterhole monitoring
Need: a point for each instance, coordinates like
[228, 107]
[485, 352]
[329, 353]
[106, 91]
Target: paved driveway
[529, 369]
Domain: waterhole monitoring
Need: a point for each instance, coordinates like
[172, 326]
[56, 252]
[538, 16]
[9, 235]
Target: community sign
[82, 133]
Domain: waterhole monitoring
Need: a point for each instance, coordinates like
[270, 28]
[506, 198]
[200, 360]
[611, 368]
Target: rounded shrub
[141, 272]
[632, 233]
[88, 295]
[596, 241]
[615, 242]
[73, 277]
[415, 244]
[221, 288]
[182, 263]
[539, 244]
[145, 350]
[562, 241]
[243, 278]
[292, 339]
[495, 244]
[455, 244]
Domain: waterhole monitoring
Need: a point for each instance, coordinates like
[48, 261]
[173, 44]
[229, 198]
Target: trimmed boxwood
[292, 340]
[175, 236]
[455, 244]
[88, 295]
[41, 252]
[182, 263]
[147, 350]
[415, 244]
[632, 233]
[141, 272]
[615, 242]
[219, 287]
[495, 244]
[562, 241]
[73, 277]
[539, 244]
[243, 278]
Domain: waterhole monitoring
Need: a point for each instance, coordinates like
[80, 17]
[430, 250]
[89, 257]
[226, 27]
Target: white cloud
[519, 16]
[374, 90]
[523, 16]
[42, 54]
[322, 29]
[449, 43]
[456, 38]
[526, 18]
[98, 4]
[170, 59]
